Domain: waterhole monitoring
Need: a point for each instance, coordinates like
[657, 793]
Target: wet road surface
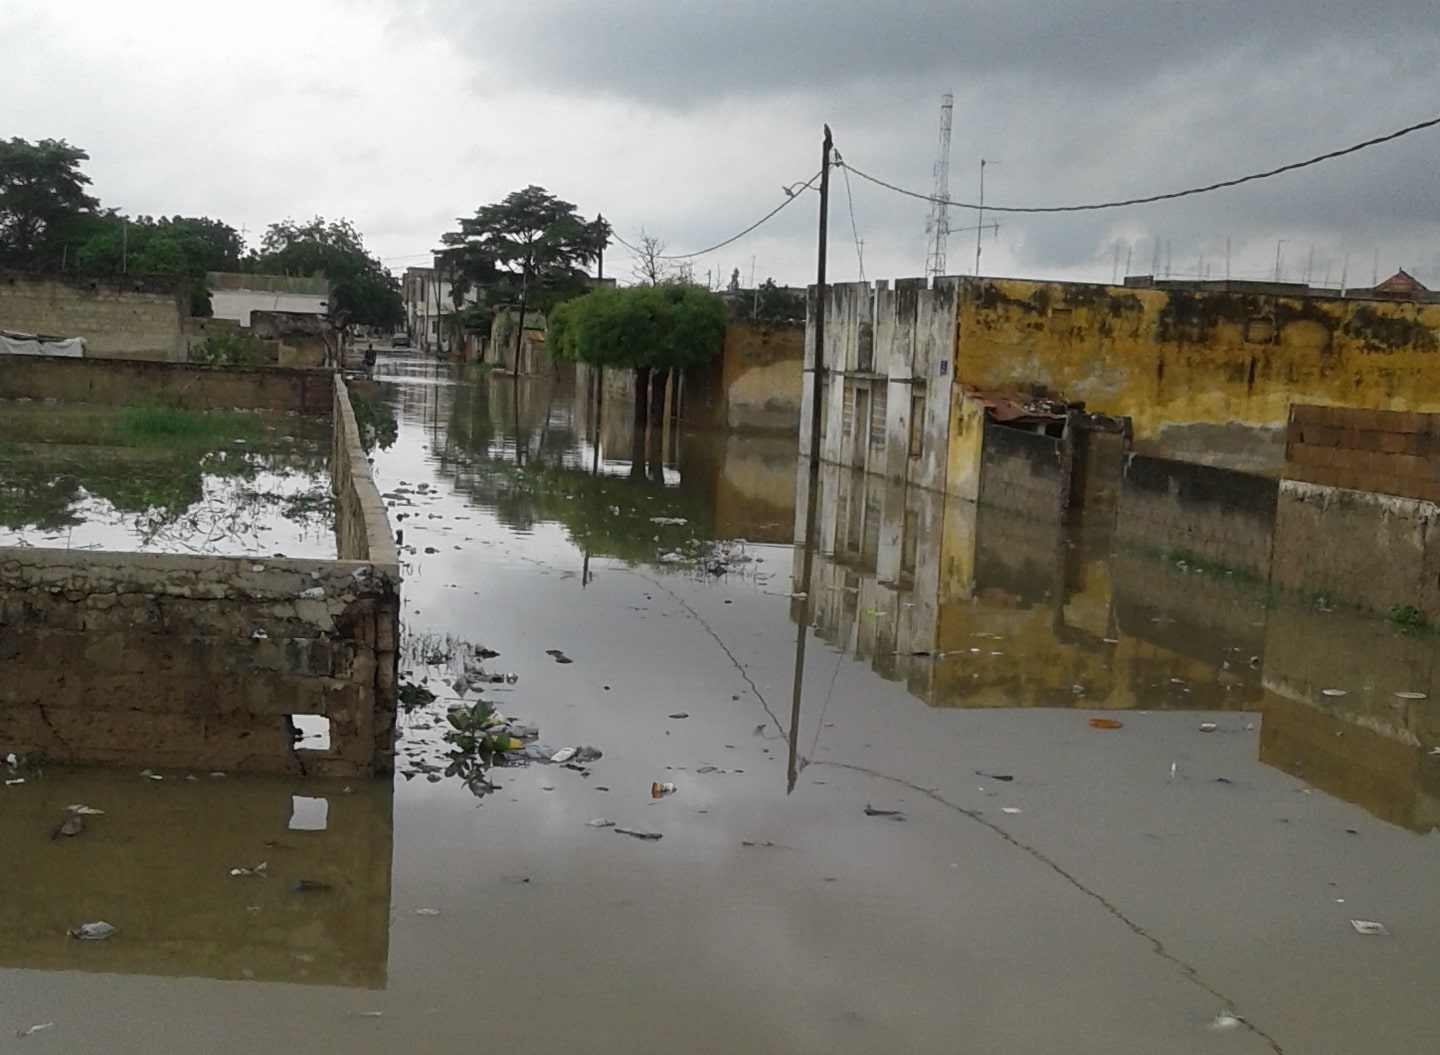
[1119, 891]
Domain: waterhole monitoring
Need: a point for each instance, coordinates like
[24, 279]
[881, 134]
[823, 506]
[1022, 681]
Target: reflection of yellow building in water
[973, 606]
[156, 865]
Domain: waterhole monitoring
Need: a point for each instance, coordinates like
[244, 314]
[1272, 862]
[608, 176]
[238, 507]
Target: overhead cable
[1188, 192]
[791, 193]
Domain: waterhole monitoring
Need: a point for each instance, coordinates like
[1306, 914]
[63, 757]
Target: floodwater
[1041, 885]
[155, 480]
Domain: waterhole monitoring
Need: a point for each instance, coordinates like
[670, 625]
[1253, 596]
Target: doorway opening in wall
[310, 732]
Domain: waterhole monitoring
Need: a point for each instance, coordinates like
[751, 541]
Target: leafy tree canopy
[178, 245]
[363, 291]
[671, 325]
[531, 248]
[42, 201]
[768, 303]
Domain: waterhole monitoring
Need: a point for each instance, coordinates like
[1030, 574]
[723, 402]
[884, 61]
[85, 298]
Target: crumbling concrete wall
[119, 316]
[111, 382]
[193, 662]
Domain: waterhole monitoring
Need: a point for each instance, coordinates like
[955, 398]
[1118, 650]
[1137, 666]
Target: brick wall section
[1024, 472]
[123, 382]
[1389, 451]
[118, 316]
[1220, 516]
[193, 662]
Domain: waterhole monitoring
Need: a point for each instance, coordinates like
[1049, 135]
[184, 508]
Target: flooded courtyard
[160, 479]
[1024, 794]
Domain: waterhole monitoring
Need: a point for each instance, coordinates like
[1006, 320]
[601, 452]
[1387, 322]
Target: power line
[854, 231]
[790, 195]
[1161, 197]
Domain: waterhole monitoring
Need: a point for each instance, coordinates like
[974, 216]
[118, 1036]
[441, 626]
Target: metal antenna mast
[938, 224]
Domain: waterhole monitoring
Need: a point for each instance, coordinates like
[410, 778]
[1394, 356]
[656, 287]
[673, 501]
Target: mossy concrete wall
[1172, 358]
[119, 317]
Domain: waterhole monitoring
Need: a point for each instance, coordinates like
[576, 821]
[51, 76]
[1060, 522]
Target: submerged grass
[143, 424]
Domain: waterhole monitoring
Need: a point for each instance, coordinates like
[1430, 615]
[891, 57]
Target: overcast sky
[686, 119]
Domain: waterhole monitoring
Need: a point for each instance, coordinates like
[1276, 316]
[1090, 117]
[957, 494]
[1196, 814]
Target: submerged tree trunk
[656, 446]
[642, 419]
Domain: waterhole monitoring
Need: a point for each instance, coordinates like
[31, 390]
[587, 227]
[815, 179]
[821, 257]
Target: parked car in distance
[399, 339]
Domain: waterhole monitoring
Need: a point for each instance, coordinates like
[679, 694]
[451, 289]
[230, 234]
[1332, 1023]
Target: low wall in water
[204, 663]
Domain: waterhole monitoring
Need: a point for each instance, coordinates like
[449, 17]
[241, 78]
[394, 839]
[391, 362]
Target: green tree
[653, 330]
[178, 245]
[43, 202]
[769, 303]
[362, 291]
[528, 251]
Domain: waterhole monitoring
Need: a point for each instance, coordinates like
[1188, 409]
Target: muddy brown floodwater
[965, 862]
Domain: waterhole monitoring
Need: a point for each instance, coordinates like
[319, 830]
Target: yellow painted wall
[967, 441]
[761, 375]
[1165, 356]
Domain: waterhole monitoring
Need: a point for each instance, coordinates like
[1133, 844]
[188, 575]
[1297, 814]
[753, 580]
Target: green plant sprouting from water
[1407, 617]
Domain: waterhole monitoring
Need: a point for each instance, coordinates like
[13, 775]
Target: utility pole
[812, 500]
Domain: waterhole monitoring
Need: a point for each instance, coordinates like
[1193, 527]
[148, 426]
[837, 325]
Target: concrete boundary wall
[1024, 472]
[201, 663]
[1358, 547]
[1218, 516]
[120, 316]
[190, 385]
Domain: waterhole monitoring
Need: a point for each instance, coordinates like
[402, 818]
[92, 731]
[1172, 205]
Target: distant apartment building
[429, 300]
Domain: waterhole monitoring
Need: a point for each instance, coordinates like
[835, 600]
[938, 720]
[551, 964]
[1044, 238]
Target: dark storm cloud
[676, 54]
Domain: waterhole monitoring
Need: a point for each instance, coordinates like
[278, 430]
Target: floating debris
[659, 789]
[258, 870]
[72, 825]
[427, 912]
[303, 886]
[1009, 809]
[636, 833]
[1370, 927]
[97, 931]
[600, 822]
[1225, 1020]
[558, 656]
[994, 776]
[872, 811]
[1332, 692]
[1106, 723]
[1207, 727]
[1411, 695]
[35, 1029]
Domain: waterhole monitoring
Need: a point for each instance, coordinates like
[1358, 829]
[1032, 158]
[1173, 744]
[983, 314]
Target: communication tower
[937, 226]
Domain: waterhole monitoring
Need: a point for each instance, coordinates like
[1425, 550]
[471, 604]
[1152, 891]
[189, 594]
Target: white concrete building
[235, 296]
